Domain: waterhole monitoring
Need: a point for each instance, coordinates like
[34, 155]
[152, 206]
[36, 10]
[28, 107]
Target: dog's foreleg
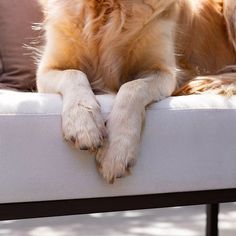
[82, 123]
[124, 124]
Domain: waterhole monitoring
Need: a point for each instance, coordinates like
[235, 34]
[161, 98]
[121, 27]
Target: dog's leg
[124, 124]
[230, 17]
[82, 123]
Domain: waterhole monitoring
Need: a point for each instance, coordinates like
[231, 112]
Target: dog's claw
[131, 163]
[84, 148]
[72, 140]
[112, 181]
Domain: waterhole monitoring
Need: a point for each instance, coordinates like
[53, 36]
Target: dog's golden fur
[205, 46]
[111, 41]
[142, 49]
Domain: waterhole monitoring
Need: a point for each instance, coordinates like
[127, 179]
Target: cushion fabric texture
[17, 67]
[188, 144]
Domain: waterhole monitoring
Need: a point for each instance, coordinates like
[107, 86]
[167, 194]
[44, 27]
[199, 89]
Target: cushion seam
[105, 113]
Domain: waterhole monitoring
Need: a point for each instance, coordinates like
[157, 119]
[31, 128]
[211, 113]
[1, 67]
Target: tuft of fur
[224, 84]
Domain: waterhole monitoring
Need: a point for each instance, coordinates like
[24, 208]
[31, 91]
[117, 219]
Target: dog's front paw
[117, 156]
[83, 126]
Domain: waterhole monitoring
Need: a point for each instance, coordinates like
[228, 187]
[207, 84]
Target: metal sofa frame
[211, 198]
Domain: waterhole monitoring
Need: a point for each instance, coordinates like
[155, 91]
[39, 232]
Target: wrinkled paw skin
[83, 127]
[115, 159]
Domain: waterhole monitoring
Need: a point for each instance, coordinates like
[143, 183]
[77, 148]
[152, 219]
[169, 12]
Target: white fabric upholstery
[188, 144]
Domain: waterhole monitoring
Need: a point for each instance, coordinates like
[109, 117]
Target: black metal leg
[212, 220]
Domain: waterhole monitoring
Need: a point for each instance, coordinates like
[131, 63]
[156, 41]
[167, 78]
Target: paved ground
[182, 221]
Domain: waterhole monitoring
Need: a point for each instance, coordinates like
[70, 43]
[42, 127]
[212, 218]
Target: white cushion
[188, 144]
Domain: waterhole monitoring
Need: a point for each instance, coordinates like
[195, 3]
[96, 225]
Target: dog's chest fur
[110, 41]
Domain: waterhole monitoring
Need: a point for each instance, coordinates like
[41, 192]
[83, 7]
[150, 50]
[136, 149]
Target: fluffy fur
[205, 48]
[143, 51]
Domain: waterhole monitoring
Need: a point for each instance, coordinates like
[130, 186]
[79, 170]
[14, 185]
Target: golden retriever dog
[141, 50]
